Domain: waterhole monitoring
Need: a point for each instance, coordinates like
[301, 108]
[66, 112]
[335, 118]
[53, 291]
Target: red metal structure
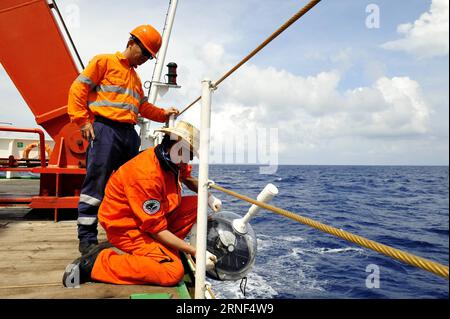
[38, 60]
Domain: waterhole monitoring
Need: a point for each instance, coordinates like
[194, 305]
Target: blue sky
[337, 91]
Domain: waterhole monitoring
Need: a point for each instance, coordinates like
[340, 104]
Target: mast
[147, 138]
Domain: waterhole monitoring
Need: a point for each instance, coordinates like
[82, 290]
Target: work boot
[79, 271]
[84, 246]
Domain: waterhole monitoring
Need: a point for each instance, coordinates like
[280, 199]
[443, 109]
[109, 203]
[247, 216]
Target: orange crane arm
[37, 59]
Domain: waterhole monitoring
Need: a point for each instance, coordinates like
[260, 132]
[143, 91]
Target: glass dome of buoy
[235, 252]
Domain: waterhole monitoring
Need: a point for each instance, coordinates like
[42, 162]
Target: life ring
[29, 147]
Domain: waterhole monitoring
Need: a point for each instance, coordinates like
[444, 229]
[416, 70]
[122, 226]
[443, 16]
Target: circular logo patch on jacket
[151, 206]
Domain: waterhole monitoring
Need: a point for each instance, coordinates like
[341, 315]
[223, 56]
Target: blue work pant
[114, 144]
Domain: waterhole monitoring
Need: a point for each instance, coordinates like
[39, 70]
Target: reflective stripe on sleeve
[144, 99]
[84, 79]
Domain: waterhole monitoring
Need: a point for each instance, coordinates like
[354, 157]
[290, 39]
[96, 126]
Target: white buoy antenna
[266, 195]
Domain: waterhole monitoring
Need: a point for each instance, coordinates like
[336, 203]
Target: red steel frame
[41, 143]
[56, 183]
[38, 61]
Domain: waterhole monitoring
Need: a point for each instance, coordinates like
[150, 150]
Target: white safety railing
[203, 171]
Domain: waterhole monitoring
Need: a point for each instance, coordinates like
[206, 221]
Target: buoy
[233, 241]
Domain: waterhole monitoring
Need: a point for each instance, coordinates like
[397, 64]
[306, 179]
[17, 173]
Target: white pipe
[145, 126]
[163, 50]
[171, 121]
[266, 195]
[202, 209]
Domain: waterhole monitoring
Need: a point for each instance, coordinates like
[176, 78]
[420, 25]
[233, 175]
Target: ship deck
[35, 250]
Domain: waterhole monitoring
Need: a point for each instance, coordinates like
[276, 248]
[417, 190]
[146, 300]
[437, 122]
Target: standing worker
[104, 101]
[145, 216]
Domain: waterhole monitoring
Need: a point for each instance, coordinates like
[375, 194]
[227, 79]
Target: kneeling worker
[145, 216]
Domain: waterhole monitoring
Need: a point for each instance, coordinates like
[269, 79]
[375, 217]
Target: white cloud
[281, 89]
[407, 113]
[390, 107]
[426, 37]
[314, 116]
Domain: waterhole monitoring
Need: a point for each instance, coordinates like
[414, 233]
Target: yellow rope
[286, 25]
[428, 265]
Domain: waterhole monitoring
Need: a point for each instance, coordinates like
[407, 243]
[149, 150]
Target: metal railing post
[202, 210]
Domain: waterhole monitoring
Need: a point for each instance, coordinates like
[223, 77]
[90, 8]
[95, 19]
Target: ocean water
[404, 207]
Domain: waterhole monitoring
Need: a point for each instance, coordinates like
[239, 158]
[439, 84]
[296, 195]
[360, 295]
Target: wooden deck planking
[34, 254]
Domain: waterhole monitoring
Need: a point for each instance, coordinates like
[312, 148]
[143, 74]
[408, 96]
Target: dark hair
[167, 142]
[134, 39]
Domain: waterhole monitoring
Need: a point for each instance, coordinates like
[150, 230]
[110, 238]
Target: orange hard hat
[149, 37]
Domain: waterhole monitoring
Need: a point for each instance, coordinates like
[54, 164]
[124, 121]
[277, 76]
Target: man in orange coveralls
[145, 216]
[104, 101]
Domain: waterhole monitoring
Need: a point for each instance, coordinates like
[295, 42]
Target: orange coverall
[112, 89]
[142, 198]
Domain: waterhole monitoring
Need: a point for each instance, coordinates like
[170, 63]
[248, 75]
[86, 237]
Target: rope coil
[410, 259]
[286, 25]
